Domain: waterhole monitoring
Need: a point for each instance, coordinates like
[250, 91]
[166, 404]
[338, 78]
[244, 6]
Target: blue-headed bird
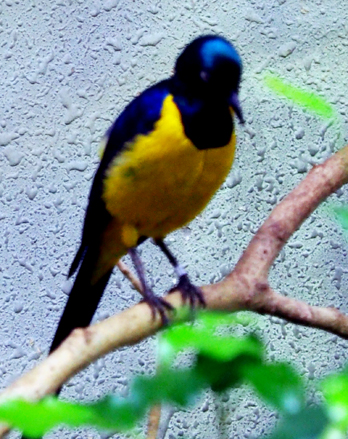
[166, 155]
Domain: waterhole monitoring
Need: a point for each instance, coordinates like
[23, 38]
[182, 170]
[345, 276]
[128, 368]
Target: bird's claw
[160, 306]
[189, 292]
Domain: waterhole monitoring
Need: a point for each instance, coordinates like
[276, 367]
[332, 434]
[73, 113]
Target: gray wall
[67, 70]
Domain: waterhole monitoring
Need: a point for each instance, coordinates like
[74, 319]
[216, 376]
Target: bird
[166, 155]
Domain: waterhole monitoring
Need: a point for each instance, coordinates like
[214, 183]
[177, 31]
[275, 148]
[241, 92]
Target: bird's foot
[158, 305]
[189, 292]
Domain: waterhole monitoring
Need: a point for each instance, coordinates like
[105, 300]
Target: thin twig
[153, 422]
[130, 276]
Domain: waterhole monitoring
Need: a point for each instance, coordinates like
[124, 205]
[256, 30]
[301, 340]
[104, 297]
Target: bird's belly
[162, 181]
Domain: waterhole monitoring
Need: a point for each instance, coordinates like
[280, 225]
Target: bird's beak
[234, 103]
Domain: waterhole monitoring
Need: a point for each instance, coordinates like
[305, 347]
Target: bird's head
[210, 66]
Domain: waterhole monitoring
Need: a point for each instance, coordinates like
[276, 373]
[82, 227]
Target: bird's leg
[156, 303]
[188, 291]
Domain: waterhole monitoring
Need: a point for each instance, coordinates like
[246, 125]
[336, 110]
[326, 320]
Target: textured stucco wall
[67, 69]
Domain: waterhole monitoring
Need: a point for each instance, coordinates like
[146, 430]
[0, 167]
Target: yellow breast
[161, 181]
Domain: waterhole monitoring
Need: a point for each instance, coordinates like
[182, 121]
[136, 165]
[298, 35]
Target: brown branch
[245, 288]
[153, 422]
[329, 319]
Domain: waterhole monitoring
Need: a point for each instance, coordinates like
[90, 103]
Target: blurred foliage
[306, 99]
[341, 213]
[221, 361]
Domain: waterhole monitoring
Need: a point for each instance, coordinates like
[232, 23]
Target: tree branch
[246, 287]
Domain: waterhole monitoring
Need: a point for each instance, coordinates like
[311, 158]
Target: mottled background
[67, 70]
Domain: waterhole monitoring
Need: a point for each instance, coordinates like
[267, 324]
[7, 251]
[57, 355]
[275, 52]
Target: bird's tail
[94, 263]
[83, 300]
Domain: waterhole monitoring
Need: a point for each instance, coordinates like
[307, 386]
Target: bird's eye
[204, 76]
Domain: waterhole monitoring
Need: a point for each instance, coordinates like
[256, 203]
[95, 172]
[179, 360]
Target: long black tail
[82, 302]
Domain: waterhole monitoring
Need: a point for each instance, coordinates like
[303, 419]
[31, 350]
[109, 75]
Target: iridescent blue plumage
[215, 48]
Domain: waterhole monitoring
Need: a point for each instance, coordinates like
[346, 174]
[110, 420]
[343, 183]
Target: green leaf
[335, 390]
[225, 374]
[201, 336]
[278, 384]
[342, 216]
[308, 100]
[36, 418]
[309, 423]
[221, 348]
[179, 387]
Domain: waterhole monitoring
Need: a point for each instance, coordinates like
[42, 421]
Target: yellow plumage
[162, 181]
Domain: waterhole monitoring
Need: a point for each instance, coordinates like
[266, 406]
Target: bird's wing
[138, 117]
